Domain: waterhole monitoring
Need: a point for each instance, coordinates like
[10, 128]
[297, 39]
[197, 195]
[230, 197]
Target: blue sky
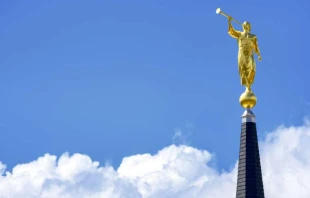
[115, 78]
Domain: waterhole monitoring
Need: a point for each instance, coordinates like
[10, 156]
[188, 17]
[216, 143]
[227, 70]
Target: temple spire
[250, 182]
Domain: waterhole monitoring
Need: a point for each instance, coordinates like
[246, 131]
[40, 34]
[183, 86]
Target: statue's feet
[249, 89]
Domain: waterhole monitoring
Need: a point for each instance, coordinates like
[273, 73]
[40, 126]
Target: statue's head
[246, 26]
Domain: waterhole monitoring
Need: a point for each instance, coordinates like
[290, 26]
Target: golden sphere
[247, 99]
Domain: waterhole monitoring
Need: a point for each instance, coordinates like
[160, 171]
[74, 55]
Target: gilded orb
[247, 99]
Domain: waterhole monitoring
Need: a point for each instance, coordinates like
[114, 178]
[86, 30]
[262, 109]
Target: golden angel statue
[248, 45]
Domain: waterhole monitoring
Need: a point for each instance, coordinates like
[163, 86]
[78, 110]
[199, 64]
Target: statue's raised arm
[231, 31]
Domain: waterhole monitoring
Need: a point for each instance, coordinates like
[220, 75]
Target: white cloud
[179, 138]
[181, 135]
[286, 162]
[175, 171]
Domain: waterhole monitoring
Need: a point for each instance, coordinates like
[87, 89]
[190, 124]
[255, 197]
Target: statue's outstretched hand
[259, 58]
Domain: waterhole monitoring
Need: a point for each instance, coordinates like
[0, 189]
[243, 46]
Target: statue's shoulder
[252, 36]
[248, 35]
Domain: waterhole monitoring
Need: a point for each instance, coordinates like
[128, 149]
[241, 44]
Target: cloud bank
[174, 172]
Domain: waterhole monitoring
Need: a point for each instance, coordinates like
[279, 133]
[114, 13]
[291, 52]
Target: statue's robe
[246, 62]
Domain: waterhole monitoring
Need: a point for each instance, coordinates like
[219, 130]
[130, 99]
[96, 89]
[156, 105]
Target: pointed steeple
[250, 182]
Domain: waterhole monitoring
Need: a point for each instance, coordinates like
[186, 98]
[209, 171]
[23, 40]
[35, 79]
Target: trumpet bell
[218, 11]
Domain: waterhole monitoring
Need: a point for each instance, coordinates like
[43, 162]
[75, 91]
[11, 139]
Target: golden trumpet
[219, 11]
